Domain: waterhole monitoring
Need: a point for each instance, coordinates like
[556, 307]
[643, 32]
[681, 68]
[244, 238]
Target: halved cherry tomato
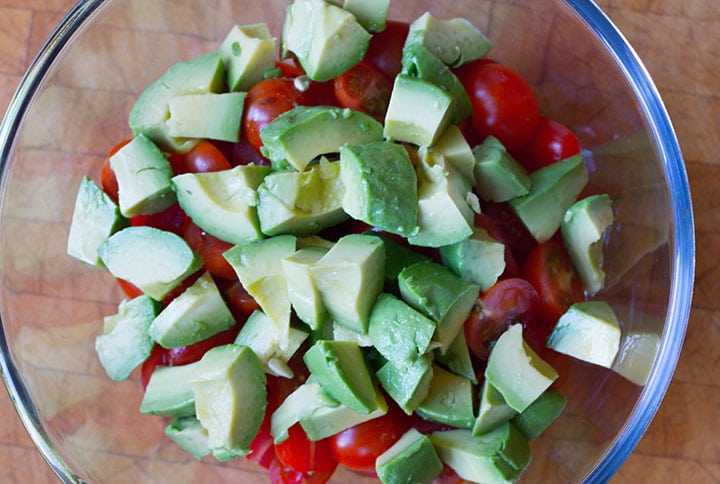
[282, 474]
[550, 142]
[210, 249]
[364, 88]
[385, 48]
[303, 454]
[202, 158]
[508, 301]
[503, 102]
[107, 177]
[172, 219]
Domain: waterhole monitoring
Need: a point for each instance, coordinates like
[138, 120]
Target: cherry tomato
[204, 157]
[107, 177]
[172, 219]
[511, 266]
[503, 102]
[210, 249]
[189, 281]
[282, 474]
[550, 142]
[265, 101]
[364, 88]
[508, 301]
[241, 153]
[514, 233]
[130, 289]
[385, 48]
[156, 358]
[240, 302]
[303, 454]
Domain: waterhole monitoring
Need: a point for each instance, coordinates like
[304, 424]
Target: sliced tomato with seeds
[364, 88]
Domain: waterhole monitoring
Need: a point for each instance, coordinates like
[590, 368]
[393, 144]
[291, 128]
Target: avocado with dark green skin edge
[498, 176]
[535, 419]
[407, 383]
[479, 259]
[189, 434]
[449, 400]
[411, 459]
[169, 392]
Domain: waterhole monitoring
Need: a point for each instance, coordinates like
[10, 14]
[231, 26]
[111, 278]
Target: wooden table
[678, 42]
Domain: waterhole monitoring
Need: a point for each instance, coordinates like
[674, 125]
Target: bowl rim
[682, 233]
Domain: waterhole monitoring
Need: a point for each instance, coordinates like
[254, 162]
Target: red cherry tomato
[107, 177]
[172, 219]
[130, 289]
[511, 266]
[385, 48]
[303, 454]
[514, 233]
[508, 301]
[265, 101]
[282, 474]
[203, 157]
[364, 88]
[550, 142]
[156, 358]
[210, 249]
[503, 102]
[240, 302]
[241, 153]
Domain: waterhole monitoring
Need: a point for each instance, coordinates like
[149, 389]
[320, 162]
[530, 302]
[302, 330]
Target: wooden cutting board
[678, 42]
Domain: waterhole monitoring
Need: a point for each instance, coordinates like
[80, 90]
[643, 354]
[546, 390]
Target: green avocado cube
[247, 52]
[449, 400]
[189, 434]
[411, 459]
[493, 410]
[479, 259]
[397, 258]
[408, 383]
[304, 295]
[457, 358]
[302, 403]
[498, 176]
[540, 414]
[456, 151]
[371, 14]
[169, 392]
[216, 116]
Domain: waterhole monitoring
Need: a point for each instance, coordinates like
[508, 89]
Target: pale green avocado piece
[292, 138]
[151, 111]
[230, 398]
[223, 203]
[169, 392]
[154, 260]
[456, 41]
[326, 39]
[397, 258]
[304, 295]
[196, 314]
[449, 400]
[189, 434]
[498, 176]
[516, 371]
[444, 213]
[341, 333]
[411, 459]
[143, 176]
[397, 331]
[636, 356]
[380, 186]
[95, 218]
[247, 52]
[301, 203]
[258, 266]
[300, 404]
[499, 456]
[540, 414]
[441, 295]
[553, 190]
[340, 369]
[125, 343]
[419, 61]
[457, 358]
[479, 259]
[432, 108]
[371, 14]
[588, 331]
[583, 233]
[493, 410]
[350, 277]
[408, 383]
[207, 116]
[260, 334]
[456, 150]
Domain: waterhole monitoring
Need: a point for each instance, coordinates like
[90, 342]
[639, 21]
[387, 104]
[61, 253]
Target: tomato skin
[240, 302]
[130, 289]
[282, 474]
[210, 249]
[514, 233]
[550, 142]
[156, 358]
[202, 158]
[364, 88]
[385, 48]
[503, 102]
[107, 176]
[303, 454]
[172, 219]
[241, 153]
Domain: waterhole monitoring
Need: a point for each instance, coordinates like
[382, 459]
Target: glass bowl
[72, 107]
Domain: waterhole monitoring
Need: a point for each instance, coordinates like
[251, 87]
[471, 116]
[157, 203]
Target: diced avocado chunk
[444, 215]
[210, 115]
[439, 294]
[420, 62]
[431, 113]
[143, 177]
[493, 410]
[154, 260]
[196, 314]
[397, 331]
[380, 186]
[169, 392]
[301, 203]
[340, 369]
[583, 228]
[516, 371]
[189, 434]
[553, 189]
[230, 397]
[371, 14]
[95, 218]
[326, 39]
[304, 295]
[408, 383]
[397, 258]
[223, 203]
[498, 456]
[456, 151]
[457, 358]
[341, 333]
[636, 356]
[350, 277]
[498, 176]
[449, 400]
[260, 334]
[588, 331]
[540, 414]
[247, 52]
[411, 459]
[151, 111]
[292, 137]
[300, 404]
[125, 342]
[479, 259]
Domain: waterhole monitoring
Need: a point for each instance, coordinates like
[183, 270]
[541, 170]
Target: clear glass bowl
[72, 106]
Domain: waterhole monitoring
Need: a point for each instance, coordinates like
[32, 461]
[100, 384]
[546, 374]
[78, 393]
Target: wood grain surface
[679, 42]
